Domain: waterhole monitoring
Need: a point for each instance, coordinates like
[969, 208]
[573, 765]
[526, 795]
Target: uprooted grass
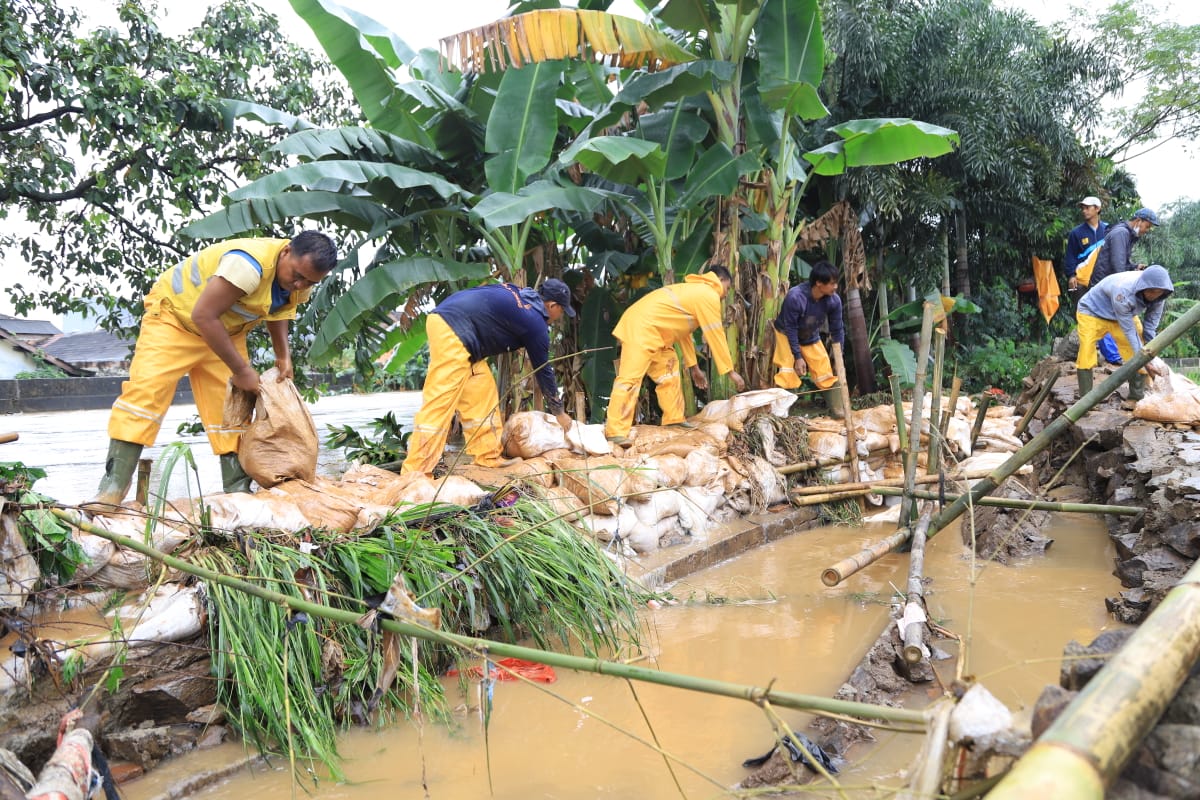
[520, 570]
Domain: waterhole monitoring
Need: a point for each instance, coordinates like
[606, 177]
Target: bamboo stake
[933, 458]
[1014, 502]
[918, 408]
[844, 389]
[926, 775]
[898, 402]
[955, 390]
[828, 497]
[142, 493]
[914, 632]
[1037, 444]
[754, 694]
[1042, 394]
[1089, 744]
[985, 400]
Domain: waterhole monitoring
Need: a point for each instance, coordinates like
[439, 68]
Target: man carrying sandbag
[798, 348]
[197, 316]
[648, 332]
[464, 330]
[1113, 306]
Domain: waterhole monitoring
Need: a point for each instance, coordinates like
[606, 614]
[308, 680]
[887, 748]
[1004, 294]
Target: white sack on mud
[669, 471]
[1171, 399]
[647, 537]
[377, 485]
[733, 412]
[697, 507]
[453, 489]
[657, 505]
[825, 444]
[125, 568]
[530, 433]
[563, 502]
[704, 468]
[607, 527]
[174, 614]
[588, 439]
[281, 443]
[240, 511]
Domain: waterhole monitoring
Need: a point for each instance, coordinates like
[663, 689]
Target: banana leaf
[596, 322]
[867, 142]
[523, 125]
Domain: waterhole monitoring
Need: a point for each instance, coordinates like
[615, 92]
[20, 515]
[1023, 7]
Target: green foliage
[192, 426]
[44, 370]
[58, 554]
[388, 445]
[115, 136]
[1001, 363]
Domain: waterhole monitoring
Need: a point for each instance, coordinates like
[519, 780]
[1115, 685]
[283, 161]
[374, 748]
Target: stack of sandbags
[528, 434]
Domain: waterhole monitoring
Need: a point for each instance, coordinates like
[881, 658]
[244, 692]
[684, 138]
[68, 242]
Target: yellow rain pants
[638, 360]
[454, 383]
[814, 355]
[1092, 330]
[165, 352]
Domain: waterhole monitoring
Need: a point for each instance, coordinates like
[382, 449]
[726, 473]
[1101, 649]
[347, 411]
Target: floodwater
[762, 618]
[72, 445]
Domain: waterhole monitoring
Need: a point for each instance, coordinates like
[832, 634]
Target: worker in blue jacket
[464, 330]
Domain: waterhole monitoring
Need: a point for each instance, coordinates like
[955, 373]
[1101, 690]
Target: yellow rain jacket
[667, 317]
[178, 288]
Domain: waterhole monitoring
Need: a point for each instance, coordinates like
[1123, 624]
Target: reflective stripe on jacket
[180, 287]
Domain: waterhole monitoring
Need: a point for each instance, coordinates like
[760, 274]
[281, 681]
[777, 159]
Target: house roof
[93, 347]
[28, 327]
[37, 352]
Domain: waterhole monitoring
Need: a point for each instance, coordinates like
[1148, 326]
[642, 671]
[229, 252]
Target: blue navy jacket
[800, 318]
[502, 318]
[1115, 256]
[1080, 242]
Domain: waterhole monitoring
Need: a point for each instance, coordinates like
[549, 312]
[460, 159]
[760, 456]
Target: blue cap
[1146, 214]
[556, 291]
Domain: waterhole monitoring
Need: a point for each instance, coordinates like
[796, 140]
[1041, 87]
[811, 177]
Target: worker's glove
[564, 421]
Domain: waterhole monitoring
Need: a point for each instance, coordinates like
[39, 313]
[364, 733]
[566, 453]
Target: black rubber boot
[833, 399]
[1137, 387]
[119, 467]
[1084, 376]
[233, 477]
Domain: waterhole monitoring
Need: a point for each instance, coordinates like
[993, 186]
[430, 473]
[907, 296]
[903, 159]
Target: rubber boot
[1084, 376]
[233, 477]
[119, 467]
[833, 399]
[1137, 387]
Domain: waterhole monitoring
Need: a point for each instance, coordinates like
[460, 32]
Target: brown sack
[281, 443]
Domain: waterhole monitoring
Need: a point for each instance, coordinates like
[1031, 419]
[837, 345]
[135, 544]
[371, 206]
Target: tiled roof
[28, 327]
[94, 347]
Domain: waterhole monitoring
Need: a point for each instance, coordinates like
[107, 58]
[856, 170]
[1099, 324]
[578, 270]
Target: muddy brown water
[762, 617]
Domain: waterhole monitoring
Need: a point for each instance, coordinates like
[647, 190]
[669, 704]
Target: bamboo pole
[843, 569]
[898, 402]
[933, 458]
[1014, 502]
[1094, 737]
[754, 694]
[985, 401]
[971, 474]
[918, 408]
[847, 411]
[1037, 444]
[955, 390]
[1040, 398]
[914, 632]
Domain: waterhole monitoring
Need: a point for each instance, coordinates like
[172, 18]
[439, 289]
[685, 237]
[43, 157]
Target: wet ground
[762, 617]
[72, 445]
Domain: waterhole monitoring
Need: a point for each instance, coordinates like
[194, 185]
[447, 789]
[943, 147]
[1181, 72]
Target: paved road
[71, 445]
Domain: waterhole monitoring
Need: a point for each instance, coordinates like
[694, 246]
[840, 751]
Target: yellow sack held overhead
[1047, 287]
[1083, 272]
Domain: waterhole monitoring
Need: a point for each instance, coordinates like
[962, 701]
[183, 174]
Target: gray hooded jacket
[1118, 298]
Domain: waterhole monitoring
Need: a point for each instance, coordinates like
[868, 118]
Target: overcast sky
[1167, 174]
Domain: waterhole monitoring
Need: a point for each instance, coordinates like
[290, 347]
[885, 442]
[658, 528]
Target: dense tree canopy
[111, 138]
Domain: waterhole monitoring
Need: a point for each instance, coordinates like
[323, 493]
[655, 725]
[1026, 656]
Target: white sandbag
[19, 573]
[458, 491]
[606, 528]
[97, 551]
[126, 568]
[717, 431]
[588, 439]
[657, 505]
[669, 471]
[697, 507]
[530, 433]
[770, 482]
[878, 419]
[824, 444]
[704, 468]
[174, 614]
[563, 502]
[643, 538]
[733, 412]
[1173, 398]
[958, 434]
[241, 511]
[978, 714]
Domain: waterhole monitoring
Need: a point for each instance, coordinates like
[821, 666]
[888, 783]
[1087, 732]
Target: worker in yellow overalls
[197, 316]
[648, 332]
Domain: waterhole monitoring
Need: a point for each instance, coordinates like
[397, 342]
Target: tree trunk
[856, 329]
[960, 236]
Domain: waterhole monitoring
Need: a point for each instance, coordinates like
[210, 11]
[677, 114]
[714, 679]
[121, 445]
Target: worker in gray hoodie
[1113, 306]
